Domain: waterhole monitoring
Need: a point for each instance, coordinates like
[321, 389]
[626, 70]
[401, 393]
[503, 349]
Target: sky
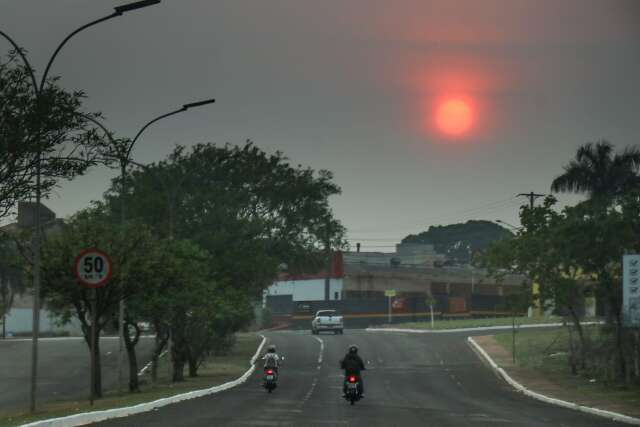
[358, 87]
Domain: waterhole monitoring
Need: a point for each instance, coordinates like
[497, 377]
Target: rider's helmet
[353, 349]
[271, 349]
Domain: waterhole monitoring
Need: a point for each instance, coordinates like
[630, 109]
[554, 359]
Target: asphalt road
[412, 380]
[63, 369]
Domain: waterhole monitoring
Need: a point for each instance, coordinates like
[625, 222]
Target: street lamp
[124, 157]
[37, 238]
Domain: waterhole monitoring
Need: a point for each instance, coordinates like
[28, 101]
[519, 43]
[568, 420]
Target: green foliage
[228, 217]
[50, 125]
[132, 250]
[460, 241]
[600, 172]
[572, 254]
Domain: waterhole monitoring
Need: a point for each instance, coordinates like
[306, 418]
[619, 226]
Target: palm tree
[600, 172]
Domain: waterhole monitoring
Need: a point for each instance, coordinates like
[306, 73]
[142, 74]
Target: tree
[243, 211]
[600, 172]
[541, 252]
[50, 129]
[129, 251]
[572, 254]
[460, 241]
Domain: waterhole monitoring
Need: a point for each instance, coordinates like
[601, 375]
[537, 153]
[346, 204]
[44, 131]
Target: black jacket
[352, 364]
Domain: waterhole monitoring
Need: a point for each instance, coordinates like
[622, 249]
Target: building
[406, 254]
[19, 319]
[290, 289]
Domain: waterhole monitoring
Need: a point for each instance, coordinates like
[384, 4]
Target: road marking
[261, 423]
[321, 350]
[283, 410]
[310, 392]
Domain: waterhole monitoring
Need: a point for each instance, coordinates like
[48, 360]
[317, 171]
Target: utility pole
[327, 279]
[531, 196]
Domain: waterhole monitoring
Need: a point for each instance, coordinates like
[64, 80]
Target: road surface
[411, 380]
[63, 369]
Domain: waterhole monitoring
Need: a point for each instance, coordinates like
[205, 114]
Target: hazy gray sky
[352, 85]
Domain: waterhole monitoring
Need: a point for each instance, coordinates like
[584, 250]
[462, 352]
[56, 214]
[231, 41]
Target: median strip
[97, 416]
[474, 329]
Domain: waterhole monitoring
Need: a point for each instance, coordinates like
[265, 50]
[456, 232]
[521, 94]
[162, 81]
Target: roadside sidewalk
[572, 390]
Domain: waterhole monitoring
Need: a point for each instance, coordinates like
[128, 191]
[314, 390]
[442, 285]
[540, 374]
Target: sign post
[389, 293]
[93, 269]
[631, 290]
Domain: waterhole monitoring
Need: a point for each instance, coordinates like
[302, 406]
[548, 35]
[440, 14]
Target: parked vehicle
[327, 320]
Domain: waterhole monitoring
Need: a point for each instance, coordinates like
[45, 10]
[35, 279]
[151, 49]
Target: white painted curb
[522, 389]
[479, 329]
[96, 416]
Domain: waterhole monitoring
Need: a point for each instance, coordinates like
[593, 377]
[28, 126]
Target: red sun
[454, 117]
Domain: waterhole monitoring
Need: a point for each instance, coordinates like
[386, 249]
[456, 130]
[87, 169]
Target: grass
[544, 353]
[216, 371]
[475, 322]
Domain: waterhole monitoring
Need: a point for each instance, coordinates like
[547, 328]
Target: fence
[363, 312]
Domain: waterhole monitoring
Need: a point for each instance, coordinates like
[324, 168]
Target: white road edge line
[321, 349]
[522, 389]
[96, 416]
[481, 328]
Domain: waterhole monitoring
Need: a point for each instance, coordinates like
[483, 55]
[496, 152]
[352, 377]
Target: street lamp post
[124, 157]
[37, 238]
[171, 201]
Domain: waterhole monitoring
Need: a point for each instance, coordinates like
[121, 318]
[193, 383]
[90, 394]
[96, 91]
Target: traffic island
[542, 372]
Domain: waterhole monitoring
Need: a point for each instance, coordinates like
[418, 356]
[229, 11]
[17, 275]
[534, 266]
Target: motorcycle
[353, 393]
[270, 379]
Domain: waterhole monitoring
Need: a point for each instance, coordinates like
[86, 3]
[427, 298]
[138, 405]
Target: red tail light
[270, 372]
[352, 379]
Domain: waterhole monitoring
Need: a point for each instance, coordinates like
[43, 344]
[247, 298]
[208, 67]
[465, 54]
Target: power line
[455, 214]
[531, 196]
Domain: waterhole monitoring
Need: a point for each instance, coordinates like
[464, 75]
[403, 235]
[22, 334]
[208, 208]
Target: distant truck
[327, 320]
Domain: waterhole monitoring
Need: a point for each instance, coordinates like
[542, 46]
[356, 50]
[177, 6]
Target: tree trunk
[130, 344]
[622, 365]
[178, 355]
[572, 352]
[97, 390]
[98, 385]
[583, 345]
[160, 343]
[178, 370]
[193, 364]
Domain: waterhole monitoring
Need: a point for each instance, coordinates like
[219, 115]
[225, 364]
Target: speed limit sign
[93, 268]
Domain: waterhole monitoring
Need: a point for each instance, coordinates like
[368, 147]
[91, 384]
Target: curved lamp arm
[119, 10]
[185, 107]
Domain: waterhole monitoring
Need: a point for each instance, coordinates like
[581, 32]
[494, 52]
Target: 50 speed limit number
[93, 268]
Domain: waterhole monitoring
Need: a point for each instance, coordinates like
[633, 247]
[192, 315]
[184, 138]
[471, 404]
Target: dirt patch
[573, 390]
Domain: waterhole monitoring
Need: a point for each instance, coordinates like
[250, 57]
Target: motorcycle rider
[352, 365]
[271, 359]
